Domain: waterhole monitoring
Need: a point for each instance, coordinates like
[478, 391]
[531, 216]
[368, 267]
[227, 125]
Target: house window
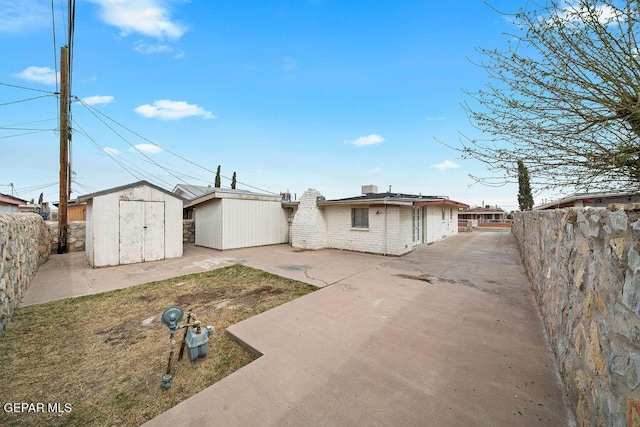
[360, 217]
[451, 214]
[443, 214]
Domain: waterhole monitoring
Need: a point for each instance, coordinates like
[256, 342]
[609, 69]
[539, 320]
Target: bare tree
[564, 96]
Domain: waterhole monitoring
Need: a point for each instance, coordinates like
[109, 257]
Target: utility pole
[64, 149]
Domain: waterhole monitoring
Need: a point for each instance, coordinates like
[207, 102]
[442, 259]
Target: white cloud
[148, 49]
[110, 150]
[447, 164]
[436, 119]
[172, 110]
[44, 75]
[147, 17]
[97, 100]
[18, 16]
[605, 13]
[147, 148]
[372, 139]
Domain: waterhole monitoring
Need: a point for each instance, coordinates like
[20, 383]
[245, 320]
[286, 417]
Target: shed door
[141, 231]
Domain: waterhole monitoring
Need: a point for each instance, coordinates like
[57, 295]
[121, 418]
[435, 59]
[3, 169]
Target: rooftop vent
[369, 189]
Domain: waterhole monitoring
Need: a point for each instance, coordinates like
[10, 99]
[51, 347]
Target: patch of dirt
[105, 354]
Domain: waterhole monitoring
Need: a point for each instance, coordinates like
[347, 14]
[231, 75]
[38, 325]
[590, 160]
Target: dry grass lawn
[104, 355]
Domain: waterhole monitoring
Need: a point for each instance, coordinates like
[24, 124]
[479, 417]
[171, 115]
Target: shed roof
[125, 187]
[224, 193]
[193, 190]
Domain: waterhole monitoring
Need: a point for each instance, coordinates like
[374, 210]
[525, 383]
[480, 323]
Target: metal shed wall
[253, 223]
[209, 224]
[231, 223]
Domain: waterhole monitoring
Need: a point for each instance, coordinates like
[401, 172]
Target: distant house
[381, 223]
[133, 223]
[42, 209]
[229, 219]
[10, 204]
[594, 200]
[483, 217]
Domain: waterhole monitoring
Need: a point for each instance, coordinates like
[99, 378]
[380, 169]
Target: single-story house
[10, 203]
[133, 223]
[594, 200]
[381, 223]
[230, 219]
[41, 209]
[484, 216]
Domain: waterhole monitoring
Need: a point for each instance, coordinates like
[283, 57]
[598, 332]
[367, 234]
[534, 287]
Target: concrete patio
[448, 335]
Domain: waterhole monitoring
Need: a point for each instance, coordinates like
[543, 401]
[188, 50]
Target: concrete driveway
[448, 335]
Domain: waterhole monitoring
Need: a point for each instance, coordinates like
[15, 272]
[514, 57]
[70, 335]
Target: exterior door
[141, 231]
[416, 222]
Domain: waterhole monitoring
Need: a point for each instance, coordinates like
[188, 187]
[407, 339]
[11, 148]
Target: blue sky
[325, 94]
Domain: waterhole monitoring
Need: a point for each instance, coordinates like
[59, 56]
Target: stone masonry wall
[76, 235]
[188, 231]
[25, 244]
[584, 268]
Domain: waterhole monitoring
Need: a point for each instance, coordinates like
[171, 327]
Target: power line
[11, 128]
[29, 123]
[55, 46]
[28, 88]
[96, 112]
[83, 186]
[37, 187]
[25, 100]
[139, 174]
[132, 145]
[24, 134]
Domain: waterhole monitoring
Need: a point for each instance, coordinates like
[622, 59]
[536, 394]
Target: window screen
[360, 217]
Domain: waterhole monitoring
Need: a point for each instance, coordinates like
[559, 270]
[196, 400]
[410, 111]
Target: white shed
[134, 223]
[229, 219]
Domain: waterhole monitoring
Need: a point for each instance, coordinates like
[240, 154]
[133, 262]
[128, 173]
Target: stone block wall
[188, 231]
[76, 235]
[584, 268]
[25, 244]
